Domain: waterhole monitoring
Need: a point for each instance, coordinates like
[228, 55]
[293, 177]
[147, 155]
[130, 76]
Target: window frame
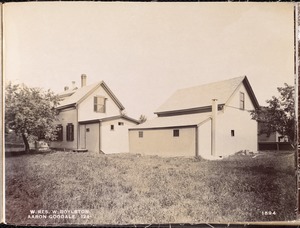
[232, 133]
[97, 104]
[176, 133]
[141, 134]
[242, 101]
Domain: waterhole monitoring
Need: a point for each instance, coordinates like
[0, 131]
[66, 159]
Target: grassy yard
[132, 189]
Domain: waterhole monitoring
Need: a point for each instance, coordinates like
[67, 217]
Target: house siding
[65, 117]
[232, 118]
[86, 107]
[161, 142]
[89, 137]
[117, 140]
[204, 139]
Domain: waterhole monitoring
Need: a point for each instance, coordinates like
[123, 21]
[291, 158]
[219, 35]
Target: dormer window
[99, 104]
[242, 100]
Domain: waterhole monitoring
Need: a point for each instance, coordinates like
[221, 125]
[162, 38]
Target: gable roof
[201, 96]
[80, 94]
[174, 121]
[66, 93]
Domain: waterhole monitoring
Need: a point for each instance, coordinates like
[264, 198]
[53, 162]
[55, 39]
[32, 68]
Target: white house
[207, 120]
[91, 118]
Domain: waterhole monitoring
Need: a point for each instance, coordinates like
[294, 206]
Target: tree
[30, 113]
[279, 115]
[142, 119]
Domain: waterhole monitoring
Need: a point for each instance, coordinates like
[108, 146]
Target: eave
[188, 111]
[66, 106]
[251, 93]
[169, 127]
[108, 119]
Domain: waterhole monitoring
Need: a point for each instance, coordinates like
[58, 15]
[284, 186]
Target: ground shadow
[23, 153]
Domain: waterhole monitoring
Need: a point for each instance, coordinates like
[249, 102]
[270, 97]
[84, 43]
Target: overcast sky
[146, 51]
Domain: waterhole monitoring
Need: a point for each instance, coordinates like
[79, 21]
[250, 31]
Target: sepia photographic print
[149, 113]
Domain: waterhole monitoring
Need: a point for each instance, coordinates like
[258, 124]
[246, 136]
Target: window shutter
[67, 133]
[59, 133]
[95, 104]
[70, 132]
[104, 105]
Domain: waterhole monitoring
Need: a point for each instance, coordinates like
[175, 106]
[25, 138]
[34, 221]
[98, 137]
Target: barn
[210, 120]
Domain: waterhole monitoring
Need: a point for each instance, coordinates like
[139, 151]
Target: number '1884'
[268, 212]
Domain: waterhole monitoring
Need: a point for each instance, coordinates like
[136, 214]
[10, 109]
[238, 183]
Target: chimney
[213, 126]
[83, 80]
[66, 88]
[73, 85]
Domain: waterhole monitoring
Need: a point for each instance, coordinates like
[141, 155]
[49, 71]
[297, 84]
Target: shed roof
[83, 92]
[175, 121]
[201, 96]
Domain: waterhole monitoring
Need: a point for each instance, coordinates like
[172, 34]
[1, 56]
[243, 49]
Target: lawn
[133, 189]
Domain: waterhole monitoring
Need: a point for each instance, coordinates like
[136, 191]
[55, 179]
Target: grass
[133, 189]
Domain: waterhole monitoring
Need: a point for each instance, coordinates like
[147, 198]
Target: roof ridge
[210, 83]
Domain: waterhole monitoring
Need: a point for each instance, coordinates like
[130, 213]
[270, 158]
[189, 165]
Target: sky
[146, 51]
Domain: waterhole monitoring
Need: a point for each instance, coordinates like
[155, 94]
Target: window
[59, 133]
[99, 104]
[141, 134]
[242, 100]
[112, 127]
[87, 130]
[176, 133]
[70, 132]
[121, 123]
[232, 133]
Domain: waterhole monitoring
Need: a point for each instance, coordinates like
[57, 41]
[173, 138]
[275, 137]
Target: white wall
[91, 137]
[245, 129]
[161, 142]
[204, 139]
[117, 140]
[65, 117]
[82, 136]
[86, 107]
